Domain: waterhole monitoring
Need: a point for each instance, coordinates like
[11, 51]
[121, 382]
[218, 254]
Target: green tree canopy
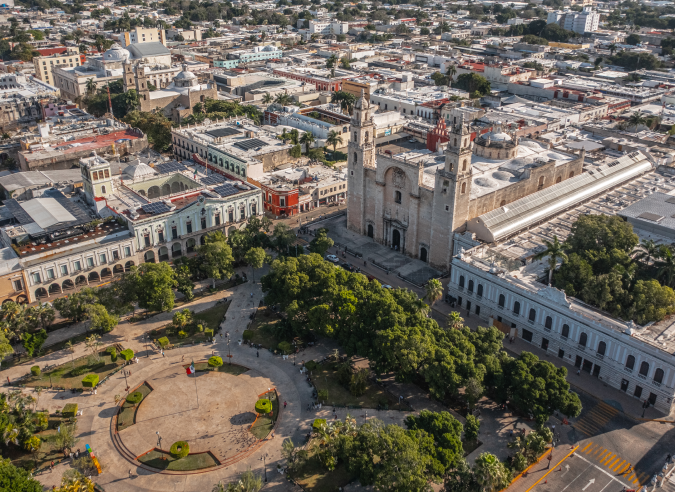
[472, 82]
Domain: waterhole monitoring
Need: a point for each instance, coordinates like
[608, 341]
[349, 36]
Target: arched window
[461, 281]
[549, 322]
[470, 289]
[463, 188]
[502, 203]
[533, 315]
[630, 362]
[365, 139]
[572, 174]
[565, 331]
[516, 307]
[583, 339]
[658, 376]
[356, 158]
[103, 189]
[479, 291]
[558, 179]
[541, 181]
[355, 137]
[602, 347]
[644, 369]
[464, 165]
[502, 300]
[397, 196]
[455, 142]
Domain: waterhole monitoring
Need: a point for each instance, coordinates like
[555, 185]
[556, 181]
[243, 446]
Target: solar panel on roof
[156, 208]
[170, 167]
[251, 144]
[226, 190]
[223, 132]
[650, 216]
[213, 179]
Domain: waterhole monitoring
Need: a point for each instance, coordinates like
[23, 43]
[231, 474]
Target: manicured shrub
[70, 410]
[200, 327]
[113, 354]
[323, 396]
[127, 354]
[247, 335]
[135, 397]
[90, 381]
[163, 342]
[215, 361]
[318, 424]
[182, 334]
[35, 370]
[263, 406]
[179, 449]
[311, 365]
[285, 347]
[208, 332]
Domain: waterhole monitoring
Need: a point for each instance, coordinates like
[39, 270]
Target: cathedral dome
[116, 54]
[138, 170]
[497, 136]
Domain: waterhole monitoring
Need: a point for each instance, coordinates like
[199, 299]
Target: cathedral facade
[416, 202]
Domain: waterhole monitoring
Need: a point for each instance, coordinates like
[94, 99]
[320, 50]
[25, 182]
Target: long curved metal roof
[517, 216]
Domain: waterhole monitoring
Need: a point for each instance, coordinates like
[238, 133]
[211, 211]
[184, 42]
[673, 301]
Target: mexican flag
[191, 369]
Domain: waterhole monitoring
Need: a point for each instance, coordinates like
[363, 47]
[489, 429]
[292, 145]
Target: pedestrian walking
[182, 359]
[129, 473]
[578, 372]
[272, 434]
[163, 354]
[51, 467]
[251, 294]
[257, 354]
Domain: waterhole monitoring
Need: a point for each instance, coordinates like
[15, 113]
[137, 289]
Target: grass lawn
[14, 361]
[262, 328]
[210, 318]
[263, 426]
[127, 417]
[234, 369]
[314, 477]
[47, 452]
[164, 461]
[325, 377]
[67, 376]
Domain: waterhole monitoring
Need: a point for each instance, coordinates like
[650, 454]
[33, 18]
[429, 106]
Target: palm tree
[283, 99]
[490, 473]
[307, 139]
[653, 121]
[334, 139]
[434, 291]
[646, 251]
[267, 98]
[666, 265]
[452, 70]
[554, 250]
[636, 119]
[38, 390]
[455, 321]
[612, 48]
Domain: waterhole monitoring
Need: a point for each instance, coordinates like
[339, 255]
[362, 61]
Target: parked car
[370, 277]
[332, 258]
[349, 267]
[386, 286]
[387, 151]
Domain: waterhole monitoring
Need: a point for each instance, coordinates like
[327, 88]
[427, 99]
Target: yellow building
[45, 64]
[144, 35]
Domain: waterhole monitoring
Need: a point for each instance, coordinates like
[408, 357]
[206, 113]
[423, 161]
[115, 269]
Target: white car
[386, 286]
[333, 258]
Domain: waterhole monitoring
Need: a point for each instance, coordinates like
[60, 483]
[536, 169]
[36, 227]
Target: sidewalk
[590, 385]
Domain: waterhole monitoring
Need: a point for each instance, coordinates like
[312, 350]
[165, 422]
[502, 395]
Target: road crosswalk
[614, 463]
[593, 421]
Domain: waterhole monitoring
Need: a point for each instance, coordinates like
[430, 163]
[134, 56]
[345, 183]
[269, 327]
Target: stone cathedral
[416, 202]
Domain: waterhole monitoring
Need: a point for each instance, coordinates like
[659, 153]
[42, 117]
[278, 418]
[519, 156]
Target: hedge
[311, 365]
[127, 354]
[263, 406]
[215, 361]
[35, 370]
[135, 397]
[90, 381]
[208, 332]
[247, 335]
[180, 449]
[70, 410]
[163, 342]
[319, 424]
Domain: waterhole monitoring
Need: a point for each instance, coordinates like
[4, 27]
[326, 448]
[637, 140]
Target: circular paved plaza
[212, 411]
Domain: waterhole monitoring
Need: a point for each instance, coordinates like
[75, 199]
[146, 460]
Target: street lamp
[229, 356]
[264, 466]
[147, 346]
[159, 440]
[125, 379]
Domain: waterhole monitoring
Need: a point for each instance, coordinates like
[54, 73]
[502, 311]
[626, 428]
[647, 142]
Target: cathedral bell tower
[452, 192]
[361, 150]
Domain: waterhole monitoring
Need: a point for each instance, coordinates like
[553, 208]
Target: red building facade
[437, 136]
[280, 199]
